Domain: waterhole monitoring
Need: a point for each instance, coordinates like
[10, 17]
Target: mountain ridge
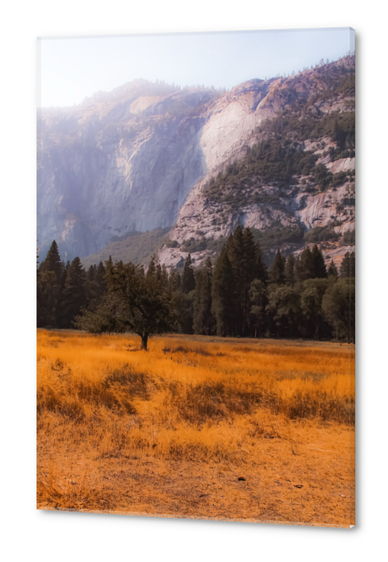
[131, 162]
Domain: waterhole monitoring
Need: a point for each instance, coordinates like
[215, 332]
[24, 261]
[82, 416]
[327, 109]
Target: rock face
[104, 171]
[140, 158]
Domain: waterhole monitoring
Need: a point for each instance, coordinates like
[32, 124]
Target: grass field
[203, 427]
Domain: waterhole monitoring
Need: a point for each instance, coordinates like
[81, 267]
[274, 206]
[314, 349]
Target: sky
[69, 69]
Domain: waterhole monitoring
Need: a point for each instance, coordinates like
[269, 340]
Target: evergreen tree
[348, 265]
[159, 272]
[100, 279]
[276, 273]
[304, 267]
[172, 280]
[253, 258]
[53, 262]
[318, 263]
[49, 285]
[108, 264]
[332, 271]
[74, 292]
[203, 318]
[151, 268]
[261, 272]
[60, 316]
[238, 261]
[47, 299]
[223, 294]
[92, 288]
[164, 275]
[259, 301]
[184, 309]
[289, 270]
[247, 263]
[178, 281]
[188, 279]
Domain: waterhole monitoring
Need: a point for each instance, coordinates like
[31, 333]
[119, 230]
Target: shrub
[321, 234]
[172, 244]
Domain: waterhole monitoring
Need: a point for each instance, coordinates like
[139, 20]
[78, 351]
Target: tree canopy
[236, 297]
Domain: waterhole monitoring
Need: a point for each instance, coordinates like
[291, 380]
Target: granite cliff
[276, 155]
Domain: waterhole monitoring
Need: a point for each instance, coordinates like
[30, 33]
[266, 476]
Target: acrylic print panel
[196, 240]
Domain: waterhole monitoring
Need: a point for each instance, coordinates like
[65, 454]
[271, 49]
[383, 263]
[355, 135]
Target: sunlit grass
[189, 400]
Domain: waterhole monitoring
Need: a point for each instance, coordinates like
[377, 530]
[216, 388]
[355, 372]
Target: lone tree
[143, 302]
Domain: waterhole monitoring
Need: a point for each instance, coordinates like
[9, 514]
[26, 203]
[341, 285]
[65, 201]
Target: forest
[237, 296]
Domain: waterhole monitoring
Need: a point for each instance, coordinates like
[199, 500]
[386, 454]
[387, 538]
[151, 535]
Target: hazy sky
[72, 68]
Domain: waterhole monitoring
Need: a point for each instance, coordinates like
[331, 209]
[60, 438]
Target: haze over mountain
[190, 164]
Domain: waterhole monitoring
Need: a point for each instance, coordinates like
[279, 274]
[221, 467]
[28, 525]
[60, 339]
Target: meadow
[200, 427]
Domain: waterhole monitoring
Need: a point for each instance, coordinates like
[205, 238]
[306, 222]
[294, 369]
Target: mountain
[277, 155]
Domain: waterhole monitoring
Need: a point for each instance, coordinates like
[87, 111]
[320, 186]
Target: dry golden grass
[249, 430]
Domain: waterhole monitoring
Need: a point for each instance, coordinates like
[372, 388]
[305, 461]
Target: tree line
[238, 296]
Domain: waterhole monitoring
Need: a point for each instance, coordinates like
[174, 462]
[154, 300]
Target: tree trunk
[144, 341]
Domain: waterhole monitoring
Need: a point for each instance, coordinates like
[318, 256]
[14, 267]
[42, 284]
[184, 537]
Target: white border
[28, 534]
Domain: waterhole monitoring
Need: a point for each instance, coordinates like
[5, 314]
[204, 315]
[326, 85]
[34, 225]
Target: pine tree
[188, 279]
[178, 281]
[158, 272]
[253, 260]
[203, 318]
[92, 288]
[304, 267]
[318, 264]
[276, 274]
[289, 270]
[259, 301]
[47, 299]
[348, 265]
[262, 272]
[311, 307]
[100, 279]
[333, 271]
[164, 275]
[74, 293]
[247, 263]
[59, 315]
[184, 307]
[49, 286]
[108, 264]
[172, 280]
[235, 248]
[53, 262]
[223, 294]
